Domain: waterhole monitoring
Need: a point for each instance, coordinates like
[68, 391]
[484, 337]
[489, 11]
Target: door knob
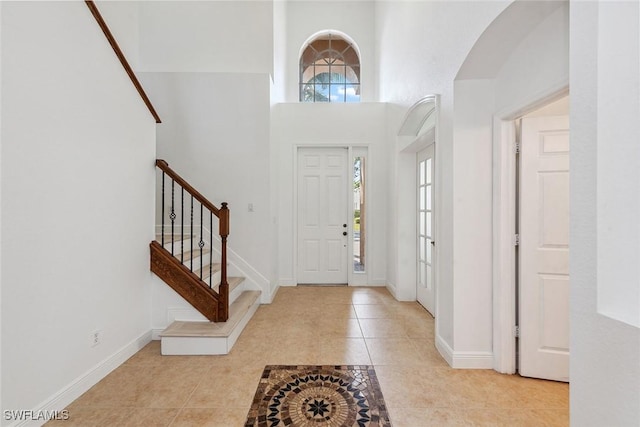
[344, 233]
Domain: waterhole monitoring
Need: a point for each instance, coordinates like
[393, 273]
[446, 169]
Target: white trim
[184, 314]
[392, 290]
[156, 334]
[472, 360]
[274, 290]
[464, 359]
[444, 349]
[77, 387]
[504, 201]
[504, 259]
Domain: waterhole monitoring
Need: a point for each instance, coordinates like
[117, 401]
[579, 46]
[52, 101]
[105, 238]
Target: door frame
[504, 224]
[353, 279]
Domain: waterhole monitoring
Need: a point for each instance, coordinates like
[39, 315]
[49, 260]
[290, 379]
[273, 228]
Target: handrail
[164, 166]
[127, 68]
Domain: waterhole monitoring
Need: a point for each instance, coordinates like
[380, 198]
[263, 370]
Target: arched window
[329, 71]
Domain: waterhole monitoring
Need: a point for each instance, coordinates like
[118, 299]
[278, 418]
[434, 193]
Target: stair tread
[233, 282]
[216, 266]
[237, 310]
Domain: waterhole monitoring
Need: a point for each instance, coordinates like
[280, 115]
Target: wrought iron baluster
[191, 232]
[172, 216]
[162, 216]
[201, 242]
[182, 226]
[211, 249]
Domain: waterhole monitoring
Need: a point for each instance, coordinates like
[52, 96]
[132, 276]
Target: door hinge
[516, 240]
[516, 331]
[517, 146]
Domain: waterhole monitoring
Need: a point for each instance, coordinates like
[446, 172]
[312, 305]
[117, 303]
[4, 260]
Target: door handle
[433, 242]
[344, 233]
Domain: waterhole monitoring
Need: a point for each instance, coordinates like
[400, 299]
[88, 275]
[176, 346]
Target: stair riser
[217, 277]
[209, 345]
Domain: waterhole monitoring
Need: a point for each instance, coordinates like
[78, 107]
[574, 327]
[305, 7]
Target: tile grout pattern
[320, 326]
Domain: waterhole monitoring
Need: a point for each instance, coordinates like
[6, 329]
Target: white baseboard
[473, 360]
[444, 349]
[287, 281]
[155, 334]
[80, 385]
[464, 359]
[392, 289]
[274, 290]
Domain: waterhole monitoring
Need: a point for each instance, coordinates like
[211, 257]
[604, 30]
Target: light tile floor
[324, 326]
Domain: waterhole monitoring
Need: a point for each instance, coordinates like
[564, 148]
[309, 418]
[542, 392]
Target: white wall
[280, 43]
[122, 17]
[77, 205]
[472, 217]
[354, 18]
[215, 134]
[605, 353]
[421, 46]
[618, 155]
[331, 125]
[208, 36]
[539, 62]
[536, 65]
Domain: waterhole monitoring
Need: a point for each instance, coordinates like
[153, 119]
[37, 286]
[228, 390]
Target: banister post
[223, 305]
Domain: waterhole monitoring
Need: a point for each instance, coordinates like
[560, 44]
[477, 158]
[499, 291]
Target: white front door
[544, 248]
[425, 182]
[323, 215]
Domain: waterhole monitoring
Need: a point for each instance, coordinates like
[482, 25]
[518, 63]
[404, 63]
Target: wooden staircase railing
[125, 64]
[177, 268]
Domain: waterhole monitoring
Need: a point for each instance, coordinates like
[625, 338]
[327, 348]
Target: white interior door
[323, 216]
[544, 248]
[425, 183]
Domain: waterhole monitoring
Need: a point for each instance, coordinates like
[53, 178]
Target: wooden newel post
[223, 306]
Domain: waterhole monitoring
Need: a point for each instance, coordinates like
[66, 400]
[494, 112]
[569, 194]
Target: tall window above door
[329, 70]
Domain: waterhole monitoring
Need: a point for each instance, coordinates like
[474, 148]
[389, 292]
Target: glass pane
[423, 274]
[423, 243]
[321, 93]
[422, 172]
[429, 278]
[428, 220]
[428, 196]
[337, 75]
[429, 251]
[423, 228]
[428, 171]
[358, 215]
[423, 196]
[352, 92]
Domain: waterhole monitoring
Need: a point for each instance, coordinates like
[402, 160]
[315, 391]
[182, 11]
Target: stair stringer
[183, 282]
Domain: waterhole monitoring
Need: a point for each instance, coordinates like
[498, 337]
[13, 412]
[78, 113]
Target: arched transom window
[329, 71]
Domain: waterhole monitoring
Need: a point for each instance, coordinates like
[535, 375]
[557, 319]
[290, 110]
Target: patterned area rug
[318, 396]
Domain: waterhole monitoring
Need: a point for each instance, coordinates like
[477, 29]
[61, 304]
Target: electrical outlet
[96, 338]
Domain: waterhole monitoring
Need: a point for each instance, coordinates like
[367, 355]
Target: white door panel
[322, 213]
[544, 248]
[425, 291]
